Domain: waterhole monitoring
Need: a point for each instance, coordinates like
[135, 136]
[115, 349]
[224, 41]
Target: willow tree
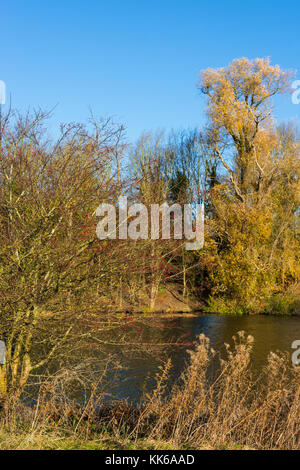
[251, 212]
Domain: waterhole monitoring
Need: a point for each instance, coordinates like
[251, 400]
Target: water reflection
[270, 334]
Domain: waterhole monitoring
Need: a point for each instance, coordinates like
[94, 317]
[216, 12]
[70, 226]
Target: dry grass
[233, 408]
[225, 409]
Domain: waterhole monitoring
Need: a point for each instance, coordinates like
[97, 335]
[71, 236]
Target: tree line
[59, 282]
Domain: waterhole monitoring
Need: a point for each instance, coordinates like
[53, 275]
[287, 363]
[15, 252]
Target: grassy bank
[287, 303]
[59, 441]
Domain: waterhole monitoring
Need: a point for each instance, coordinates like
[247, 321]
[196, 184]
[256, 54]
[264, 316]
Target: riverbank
[171, 302]
[54, 440]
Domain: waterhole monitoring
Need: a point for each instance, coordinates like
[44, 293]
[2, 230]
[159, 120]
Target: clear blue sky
[137, 60]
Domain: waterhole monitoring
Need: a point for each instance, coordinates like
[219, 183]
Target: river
[271, 333]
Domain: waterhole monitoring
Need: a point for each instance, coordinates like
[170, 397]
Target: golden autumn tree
[256, 203]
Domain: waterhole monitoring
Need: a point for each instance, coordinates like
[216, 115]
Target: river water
[164, 337]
